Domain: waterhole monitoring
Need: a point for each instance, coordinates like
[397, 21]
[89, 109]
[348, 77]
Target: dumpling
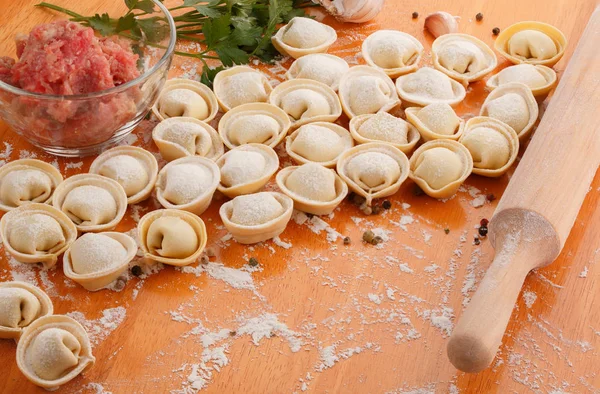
[25, 181]
[134, 168]
[93, 202]
[436, 121]
[320, 67]
[366, 90]
[540, 79]
[96, 260]
[182, 137]
[306, 101]
[384, 127]
[185, 97]
[513, 104]
[373, 170]
[188, 184]
[37, 233]
[463, 57]
[257, 217]
[240, 85]
[315, 189]
[257, 123]
[319, 142]
[493, 145]
[53, 350]
[246, 169]
[303, 36]
[20, 305]
[393, 51]
[172, 236]
[532, 42]
[427, 86]
[439, 167]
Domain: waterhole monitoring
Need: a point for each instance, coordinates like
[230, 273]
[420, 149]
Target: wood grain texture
[322, 292]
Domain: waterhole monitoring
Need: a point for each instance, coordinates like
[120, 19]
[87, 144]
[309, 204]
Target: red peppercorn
[484, 222]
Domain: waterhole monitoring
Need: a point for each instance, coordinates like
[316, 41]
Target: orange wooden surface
[382, 310]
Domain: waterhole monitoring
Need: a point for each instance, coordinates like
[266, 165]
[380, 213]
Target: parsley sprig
[231, 31]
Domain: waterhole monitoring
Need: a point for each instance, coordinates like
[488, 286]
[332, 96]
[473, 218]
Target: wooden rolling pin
[537, 211]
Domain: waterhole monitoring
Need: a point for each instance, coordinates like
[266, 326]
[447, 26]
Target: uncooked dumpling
[26, 181]
[257, 123]
[513, 104]
[366, 90]
[37, 233]
[384, 127]
[427, 86]
[531, 42]
[314, 188]
[240, 85]
[463, 57]
[135, 169]
[320, 67]
[246, 169]
[54, 350]
[20, 305]
[171, 236]
[319, 142]
[185, 97]
[306, 101]
[435, 121]
[393, 51]
[540, 79]
[181, 137]
[303, 36]
[440, 166]
[188, 184]
[257, 217]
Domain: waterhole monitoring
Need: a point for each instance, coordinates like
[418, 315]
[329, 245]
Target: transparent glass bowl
[85, 124]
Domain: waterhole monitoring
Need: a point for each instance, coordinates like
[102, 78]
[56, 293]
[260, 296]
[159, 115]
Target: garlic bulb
[440, 23]
[355, 11]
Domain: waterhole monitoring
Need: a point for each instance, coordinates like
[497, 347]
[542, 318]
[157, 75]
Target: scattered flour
[99, 329]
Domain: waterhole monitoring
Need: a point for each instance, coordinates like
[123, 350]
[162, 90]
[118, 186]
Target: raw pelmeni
[394, 52]
[436, 121]
[185, 97]
[384, 127]
[182, 137]
[540, 79]
[303, 36]
[26, 181]
[240, 85]
[427, 86]
[366, 90]
[463, 57]
[20, 305]
[319, 142]
[320, 67]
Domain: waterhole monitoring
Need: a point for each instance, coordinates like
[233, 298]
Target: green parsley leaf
[154, 28]
[208, 75]
[247, 36]
[126, 22]
[131, 4]
[102, 24]
[216, 29]
[207, 11]
[231, 55]
[145, 5]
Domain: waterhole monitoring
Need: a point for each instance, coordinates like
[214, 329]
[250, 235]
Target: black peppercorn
[447, 230]
[415, 15]
[490, 197]
[483, 230]
[347, 241]
[253, 262]
[479, 17]
[387, 205]
[496, 31]
[417, 191]
[377, 240]
[136, 270]
[476, 241]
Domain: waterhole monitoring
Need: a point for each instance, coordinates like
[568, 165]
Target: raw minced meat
[67, 58]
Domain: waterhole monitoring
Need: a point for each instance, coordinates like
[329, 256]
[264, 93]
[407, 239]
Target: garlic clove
[440, 23]
[355, 11]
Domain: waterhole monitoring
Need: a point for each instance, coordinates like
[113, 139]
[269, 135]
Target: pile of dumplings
[48, 216]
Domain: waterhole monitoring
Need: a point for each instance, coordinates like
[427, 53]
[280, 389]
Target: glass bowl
[85, 124]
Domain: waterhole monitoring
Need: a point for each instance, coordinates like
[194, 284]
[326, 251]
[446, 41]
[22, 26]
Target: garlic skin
[355, 11]
[440, 23]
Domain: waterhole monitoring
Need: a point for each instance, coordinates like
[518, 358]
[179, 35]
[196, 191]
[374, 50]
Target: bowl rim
[117, 89]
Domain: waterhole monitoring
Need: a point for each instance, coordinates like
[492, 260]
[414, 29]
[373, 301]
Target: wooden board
[369, 320]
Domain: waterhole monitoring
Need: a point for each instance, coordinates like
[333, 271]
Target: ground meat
[6, 65]
[67, 58]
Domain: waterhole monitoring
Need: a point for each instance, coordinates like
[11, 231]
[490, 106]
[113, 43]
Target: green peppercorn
[136, 270]
[253, 262]
[368, 236]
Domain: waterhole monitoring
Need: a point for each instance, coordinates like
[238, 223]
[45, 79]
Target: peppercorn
[496, 31]
[490, 197]
[368, 236]
[367, 210]
[484, 222]
[204, 259]
[447, 230]
[417, 191]
[232, 333]
[377, 240]
[357, 200]
[479, 17]
[415, 15]
[136, 270]
[375, 210]
[483, 230]
[309, 215]
[347, 241]
[476, 241]
[253, 262]
[387, 205]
